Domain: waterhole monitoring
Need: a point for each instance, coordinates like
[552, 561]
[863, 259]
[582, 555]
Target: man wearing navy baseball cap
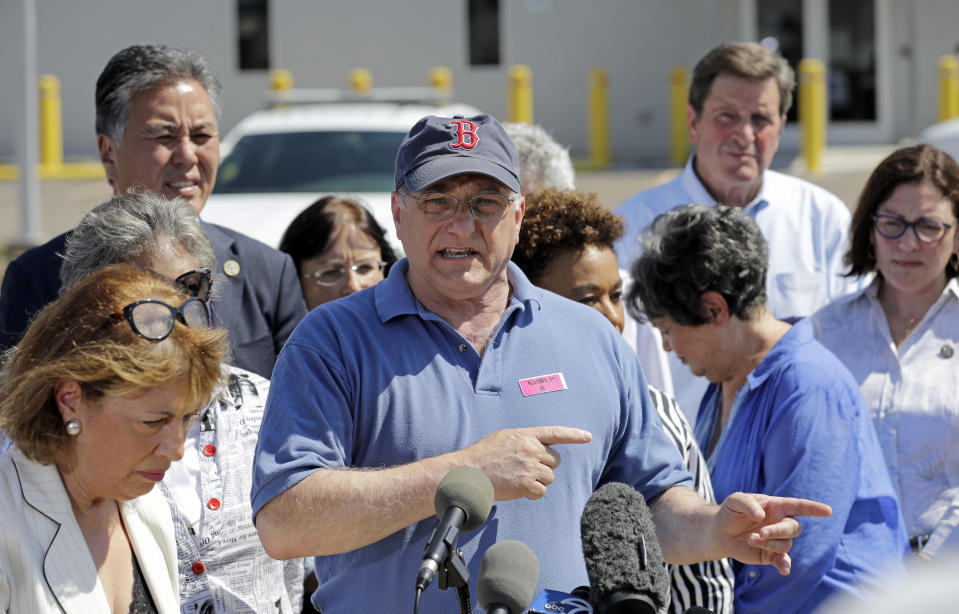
[456, 359]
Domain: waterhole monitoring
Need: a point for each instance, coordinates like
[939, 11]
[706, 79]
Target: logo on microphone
[557, 602]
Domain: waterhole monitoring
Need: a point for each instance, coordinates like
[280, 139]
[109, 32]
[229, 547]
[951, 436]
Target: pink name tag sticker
[542, 383]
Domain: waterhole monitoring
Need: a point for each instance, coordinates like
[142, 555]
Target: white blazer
[45, 564]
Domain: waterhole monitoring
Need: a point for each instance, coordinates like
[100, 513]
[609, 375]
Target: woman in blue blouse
[782, 416]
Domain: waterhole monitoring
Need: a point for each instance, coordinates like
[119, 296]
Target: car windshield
[354, 161]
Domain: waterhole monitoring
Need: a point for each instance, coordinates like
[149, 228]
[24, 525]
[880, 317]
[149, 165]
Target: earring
[73, 428]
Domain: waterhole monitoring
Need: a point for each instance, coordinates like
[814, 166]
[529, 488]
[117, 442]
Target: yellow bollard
[51, 124]
[361, 80]
[281, 80]
[812, 112]
[678, 130]
[599, 155]
[948, 87]
[441, 79]
[520, 102]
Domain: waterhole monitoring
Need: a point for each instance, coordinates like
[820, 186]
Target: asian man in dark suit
[157, 111]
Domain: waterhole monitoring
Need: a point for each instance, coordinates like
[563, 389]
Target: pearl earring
[73, 428]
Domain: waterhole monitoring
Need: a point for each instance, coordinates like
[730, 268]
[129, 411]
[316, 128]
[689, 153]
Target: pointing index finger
[804, 507]
[549, 435]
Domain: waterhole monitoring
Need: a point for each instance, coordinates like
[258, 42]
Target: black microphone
[507, 578]
[463, 501]
[623, 558]
[697, 610]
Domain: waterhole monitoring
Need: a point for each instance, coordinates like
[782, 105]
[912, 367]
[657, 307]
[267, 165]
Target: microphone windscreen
[620, 546]
[507, 576]
[470, 490]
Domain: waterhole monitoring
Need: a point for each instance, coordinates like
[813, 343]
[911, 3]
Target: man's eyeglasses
[153, 319]
[893, 227]
[197, 283]
[488, 208]
[330, 276]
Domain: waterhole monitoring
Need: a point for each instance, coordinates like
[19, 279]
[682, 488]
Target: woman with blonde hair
[96, 401]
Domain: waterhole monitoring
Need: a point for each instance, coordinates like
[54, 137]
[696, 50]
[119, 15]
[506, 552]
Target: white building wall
[636, 41]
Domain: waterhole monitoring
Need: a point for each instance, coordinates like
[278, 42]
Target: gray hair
[749, 61]
[543, 162]
[128, 227]
[139, 68]
[694, 249]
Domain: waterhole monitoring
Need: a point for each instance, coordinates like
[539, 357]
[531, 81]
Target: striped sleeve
[708, 584]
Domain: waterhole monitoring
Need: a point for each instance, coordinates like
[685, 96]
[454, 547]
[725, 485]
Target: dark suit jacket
[260, 306]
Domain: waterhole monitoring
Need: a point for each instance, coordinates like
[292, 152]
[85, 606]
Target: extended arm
[751, 528]
[338, 510]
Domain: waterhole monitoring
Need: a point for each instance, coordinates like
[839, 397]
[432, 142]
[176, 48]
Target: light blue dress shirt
[913, 394]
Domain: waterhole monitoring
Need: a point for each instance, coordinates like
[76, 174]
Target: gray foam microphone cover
[615, 523]
[469, 489]
[507, 576]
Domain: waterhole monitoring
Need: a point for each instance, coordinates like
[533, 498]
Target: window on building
[484, 39]
[253, 34]
[780, 27]
[852, 60]
[851, 78]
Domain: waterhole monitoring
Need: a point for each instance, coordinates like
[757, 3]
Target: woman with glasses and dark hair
[899, 336]
[97, 400]
[338, 249]
[222, 565]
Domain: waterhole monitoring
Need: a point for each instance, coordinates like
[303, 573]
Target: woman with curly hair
[566, 246]
[781, 416]
[562, 229]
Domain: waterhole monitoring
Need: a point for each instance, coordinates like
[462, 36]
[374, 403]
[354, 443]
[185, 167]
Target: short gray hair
[128, 227]
[694, 249]
[139, 68]
[543, 162]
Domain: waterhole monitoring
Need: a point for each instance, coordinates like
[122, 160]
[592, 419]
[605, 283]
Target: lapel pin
[231, 268]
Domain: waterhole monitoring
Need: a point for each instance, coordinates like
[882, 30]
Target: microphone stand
[454, 573]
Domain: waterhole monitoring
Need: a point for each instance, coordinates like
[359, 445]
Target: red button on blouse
[213, 504]
[209, 449]
[198, 568]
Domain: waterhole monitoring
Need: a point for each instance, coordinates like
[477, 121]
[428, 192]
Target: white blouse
[913, 394]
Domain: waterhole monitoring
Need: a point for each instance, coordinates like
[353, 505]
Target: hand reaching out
[759, 529]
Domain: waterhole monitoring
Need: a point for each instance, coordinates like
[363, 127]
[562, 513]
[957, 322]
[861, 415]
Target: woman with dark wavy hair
[781, 416]
[899, 335]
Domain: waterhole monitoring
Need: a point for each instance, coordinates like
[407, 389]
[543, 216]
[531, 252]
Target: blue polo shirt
[800, 428]
[376, 380]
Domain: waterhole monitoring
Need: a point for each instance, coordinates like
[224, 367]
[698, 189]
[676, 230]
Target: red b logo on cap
[464, 128]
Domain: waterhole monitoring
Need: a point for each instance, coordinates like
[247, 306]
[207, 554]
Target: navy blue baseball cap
[440, 147]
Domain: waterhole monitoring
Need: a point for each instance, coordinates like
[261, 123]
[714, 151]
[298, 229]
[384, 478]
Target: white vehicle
[944, 135]
[277, 162]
